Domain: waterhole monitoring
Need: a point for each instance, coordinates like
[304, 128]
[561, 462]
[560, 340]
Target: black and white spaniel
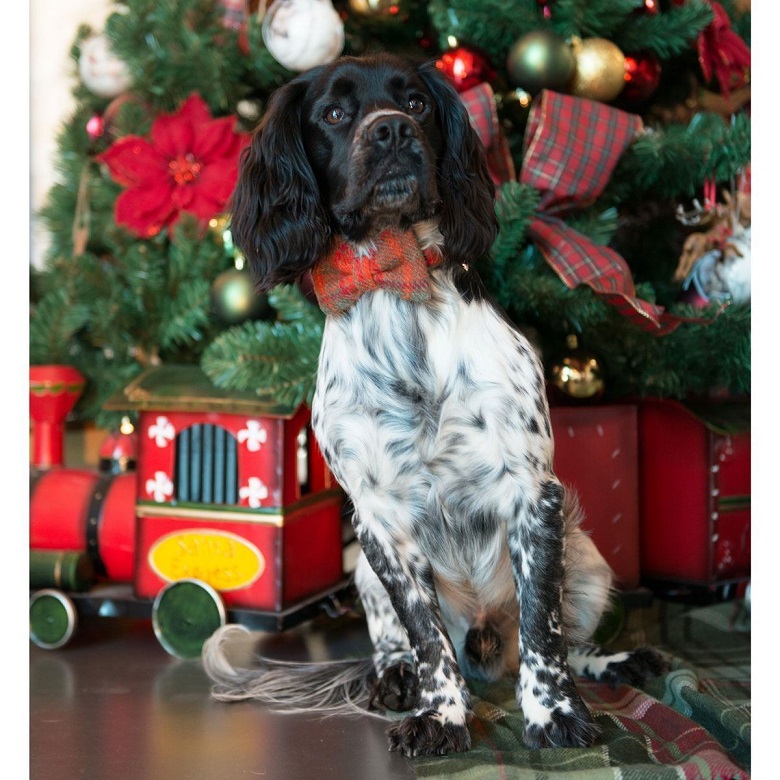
[431, 412]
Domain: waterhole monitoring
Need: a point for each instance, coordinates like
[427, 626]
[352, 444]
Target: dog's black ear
[278, 221]
[468, 220]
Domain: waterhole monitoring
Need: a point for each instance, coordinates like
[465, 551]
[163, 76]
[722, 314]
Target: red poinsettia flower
[189, 163]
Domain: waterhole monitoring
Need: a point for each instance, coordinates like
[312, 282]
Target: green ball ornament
[234, 300]
[540, 60]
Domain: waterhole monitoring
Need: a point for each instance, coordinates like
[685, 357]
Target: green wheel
[185, 614]
[53, 618]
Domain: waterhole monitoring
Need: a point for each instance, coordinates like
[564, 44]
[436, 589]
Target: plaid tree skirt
[692, 723]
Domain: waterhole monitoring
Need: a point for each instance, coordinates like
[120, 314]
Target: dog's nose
[393, 131]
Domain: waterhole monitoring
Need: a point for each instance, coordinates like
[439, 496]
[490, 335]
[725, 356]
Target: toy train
[230, 513]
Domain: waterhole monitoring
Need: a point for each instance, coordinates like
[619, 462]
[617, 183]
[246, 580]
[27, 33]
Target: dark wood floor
[114, 705]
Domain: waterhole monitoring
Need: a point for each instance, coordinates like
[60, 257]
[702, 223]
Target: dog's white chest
[429, 417]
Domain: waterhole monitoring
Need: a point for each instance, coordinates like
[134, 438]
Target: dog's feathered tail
[325, 687]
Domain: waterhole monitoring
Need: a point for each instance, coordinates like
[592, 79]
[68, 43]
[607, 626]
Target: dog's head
[354, 147]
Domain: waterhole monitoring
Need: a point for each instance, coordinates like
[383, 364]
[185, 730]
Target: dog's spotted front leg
[439, 724]
[554, 713]
[396, 683]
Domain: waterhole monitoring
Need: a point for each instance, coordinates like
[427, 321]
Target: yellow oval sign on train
[221, 559]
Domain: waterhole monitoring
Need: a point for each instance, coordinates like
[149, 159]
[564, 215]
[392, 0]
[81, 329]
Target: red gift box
[695, 492]
[596, 454]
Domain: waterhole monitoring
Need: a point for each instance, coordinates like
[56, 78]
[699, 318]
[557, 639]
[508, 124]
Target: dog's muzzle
[389, 160]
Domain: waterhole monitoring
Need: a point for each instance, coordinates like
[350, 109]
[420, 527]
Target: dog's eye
[333, 115]
[416, 106]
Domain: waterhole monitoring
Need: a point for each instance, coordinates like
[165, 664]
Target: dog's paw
[571, 729]
[641, 665]
[427, 734]
[396, 689]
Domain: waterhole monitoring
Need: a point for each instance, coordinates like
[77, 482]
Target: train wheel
[185, 614]
[53, 618]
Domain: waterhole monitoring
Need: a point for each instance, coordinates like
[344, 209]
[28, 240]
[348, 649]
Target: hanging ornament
[301, 34]
[577, 374]
[368, 8]
[465, 67]
[642, 77]
[102, 72]
[540, 60]
[234, 300]
[95, 127]
[599, 69]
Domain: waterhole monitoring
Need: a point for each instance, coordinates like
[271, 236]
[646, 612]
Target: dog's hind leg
[396, 684]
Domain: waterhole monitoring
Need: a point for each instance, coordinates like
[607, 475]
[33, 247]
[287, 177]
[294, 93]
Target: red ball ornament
[466, 67]
[96, 126]
[642, 76]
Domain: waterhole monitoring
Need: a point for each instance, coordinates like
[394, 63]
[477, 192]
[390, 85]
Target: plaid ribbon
[480, 104]
[395, 263]
[571, 148]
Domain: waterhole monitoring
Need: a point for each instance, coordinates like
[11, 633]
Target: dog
[430, 410]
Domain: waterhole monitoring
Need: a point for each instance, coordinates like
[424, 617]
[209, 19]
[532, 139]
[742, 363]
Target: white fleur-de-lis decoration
[254, 492]
[162, 431]
[254, 435]
[160, 487]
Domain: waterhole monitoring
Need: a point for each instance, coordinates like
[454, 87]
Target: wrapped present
[596, 454]
[695, 492]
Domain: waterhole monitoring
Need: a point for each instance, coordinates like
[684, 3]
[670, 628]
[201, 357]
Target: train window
[206, 465]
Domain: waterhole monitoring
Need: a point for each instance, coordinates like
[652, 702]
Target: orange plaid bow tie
[397, 264]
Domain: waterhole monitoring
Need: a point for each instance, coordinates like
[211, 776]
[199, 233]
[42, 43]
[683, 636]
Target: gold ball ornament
[599, 69]
[577, 375]
[373, 7]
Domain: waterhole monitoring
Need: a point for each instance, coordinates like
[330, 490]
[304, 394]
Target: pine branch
[278, 361]
[666, 34]
[591, 18]
[491, 25]
[674, 162]
[54, 322]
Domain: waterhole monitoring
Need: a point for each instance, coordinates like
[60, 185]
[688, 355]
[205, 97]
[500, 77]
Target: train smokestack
[54, 389]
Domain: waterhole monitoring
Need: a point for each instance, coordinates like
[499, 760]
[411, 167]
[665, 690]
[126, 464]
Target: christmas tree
[646, 264]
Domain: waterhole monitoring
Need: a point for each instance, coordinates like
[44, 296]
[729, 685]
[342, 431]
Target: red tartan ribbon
[571, 147]
[480, 104]
[395, 263]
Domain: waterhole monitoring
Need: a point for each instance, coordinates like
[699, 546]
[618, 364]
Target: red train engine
[230, 511]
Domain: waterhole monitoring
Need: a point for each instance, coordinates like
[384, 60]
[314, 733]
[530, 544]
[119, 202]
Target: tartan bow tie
[395, 263]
